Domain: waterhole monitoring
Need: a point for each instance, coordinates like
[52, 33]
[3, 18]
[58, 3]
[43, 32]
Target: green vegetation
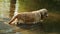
[30, 5]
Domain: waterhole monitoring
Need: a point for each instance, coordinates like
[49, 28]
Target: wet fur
[30, 17]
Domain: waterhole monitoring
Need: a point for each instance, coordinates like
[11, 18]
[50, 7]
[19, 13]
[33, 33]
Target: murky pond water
[22, 28]
[19, 29]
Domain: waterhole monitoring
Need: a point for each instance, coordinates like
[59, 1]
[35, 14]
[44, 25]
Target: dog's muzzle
[46, 15]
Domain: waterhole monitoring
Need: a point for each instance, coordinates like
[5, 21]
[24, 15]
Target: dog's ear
[42, 16]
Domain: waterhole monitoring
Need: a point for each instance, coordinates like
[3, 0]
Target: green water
[45, 28]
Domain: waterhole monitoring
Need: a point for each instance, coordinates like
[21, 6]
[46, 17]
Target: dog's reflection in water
[31, 26]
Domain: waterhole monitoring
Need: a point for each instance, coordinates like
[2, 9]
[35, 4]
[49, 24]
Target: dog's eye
[45, 14]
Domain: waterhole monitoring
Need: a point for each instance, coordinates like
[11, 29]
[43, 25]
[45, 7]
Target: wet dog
[30, 17]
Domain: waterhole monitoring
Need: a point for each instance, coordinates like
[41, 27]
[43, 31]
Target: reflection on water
[19, 29]
[22, 28]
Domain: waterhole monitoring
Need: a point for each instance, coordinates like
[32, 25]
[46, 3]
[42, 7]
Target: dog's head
[44, 13]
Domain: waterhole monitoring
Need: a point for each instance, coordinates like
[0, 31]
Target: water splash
[16, 10]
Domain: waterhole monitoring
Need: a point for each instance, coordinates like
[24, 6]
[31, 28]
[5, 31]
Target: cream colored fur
[30, 17]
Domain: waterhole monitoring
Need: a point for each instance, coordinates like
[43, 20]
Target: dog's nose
[46, 15]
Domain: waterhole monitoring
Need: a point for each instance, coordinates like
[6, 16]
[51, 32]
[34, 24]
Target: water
[19, 29]
[22, 28]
